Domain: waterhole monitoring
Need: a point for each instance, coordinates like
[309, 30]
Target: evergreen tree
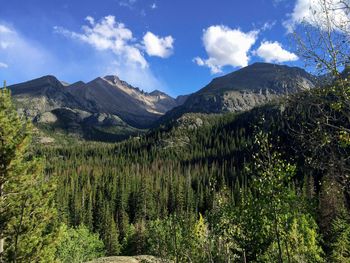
[27, 214]
[340, 245]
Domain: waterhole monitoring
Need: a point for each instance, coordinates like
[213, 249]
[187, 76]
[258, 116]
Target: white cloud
[226, 47]
[274, 52]
[90, 19]
[158, 46]
[108, 34]
[199, 61]
[3, 65]
[154, 6]
[313, 13]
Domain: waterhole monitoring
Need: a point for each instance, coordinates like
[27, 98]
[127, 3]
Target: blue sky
[175, 46]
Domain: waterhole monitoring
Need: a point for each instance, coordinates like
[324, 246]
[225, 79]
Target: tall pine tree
[27, 214]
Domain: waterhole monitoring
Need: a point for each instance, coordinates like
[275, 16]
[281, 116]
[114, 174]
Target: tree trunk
[287, 250]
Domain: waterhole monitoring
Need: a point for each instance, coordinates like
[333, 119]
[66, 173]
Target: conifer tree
[340, 246]
[27, 213]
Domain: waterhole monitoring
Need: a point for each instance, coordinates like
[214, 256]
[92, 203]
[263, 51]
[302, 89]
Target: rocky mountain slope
[111, 95]
[106, 105]
[246, 88]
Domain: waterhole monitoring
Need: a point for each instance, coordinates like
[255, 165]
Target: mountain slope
[42, 95]
[111, 95]
[105, 106]
[246, 88]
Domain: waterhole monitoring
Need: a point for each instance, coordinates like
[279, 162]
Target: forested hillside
[251, 186]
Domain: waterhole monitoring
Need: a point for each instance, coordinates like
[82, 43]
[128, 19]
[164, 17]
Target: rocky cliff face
[108, 102]
[107, 95]
[102, 103]
[246, 88]
[111, 95]
[42, 95]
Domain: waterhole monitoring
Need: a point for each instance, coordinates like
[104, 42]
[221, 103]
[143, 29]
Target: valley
[246, 161]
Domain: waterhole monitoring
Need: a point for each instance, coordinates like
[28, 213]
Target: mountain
[105, 103]
[246, 88]
[111, 95]
[108, 107]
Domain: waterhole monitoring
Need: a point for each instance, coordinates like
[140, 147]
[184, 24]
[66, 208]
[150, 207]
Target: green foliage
[268, 220]
[299, 243]
[260, 196]
[292, 229]
[179, 238]
[77, 245]
[340, 245]
[27, 218]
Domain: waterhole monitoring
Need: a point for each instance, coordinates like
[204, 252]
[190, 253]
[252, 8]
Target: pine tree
[27, 223]
[340, 246]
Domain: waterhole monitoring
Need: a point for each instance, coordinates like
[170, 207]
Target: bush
[78, 245]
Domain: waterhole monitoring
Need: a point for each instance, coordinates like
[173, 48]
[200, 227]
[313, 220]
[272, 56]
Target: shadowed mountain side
[245, 89]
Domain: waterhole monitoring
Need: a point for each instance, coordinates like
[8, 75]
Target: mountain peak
[259, 76]
[158, 93]
[36, 86]
[246, 88]
[112, 78]
[47, 79]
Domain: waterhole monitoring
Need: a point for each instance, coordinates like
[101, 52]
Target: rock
[104, 95]
[46, 117]
[46, 140]
[135, 259]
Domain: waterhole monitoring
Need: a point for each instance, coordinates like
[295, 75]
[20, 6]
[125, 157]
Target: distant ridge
[246, 88]
[108, 95]
[109, 105]
[105, 107]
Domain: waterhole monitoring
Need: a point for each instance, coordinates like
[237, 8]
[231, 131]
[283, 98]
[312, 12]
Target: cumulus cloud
[154, 6]
[274, 52]
[313, 13]
[226, 47]
[129, 60]
[108, 34]
[158, 46]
